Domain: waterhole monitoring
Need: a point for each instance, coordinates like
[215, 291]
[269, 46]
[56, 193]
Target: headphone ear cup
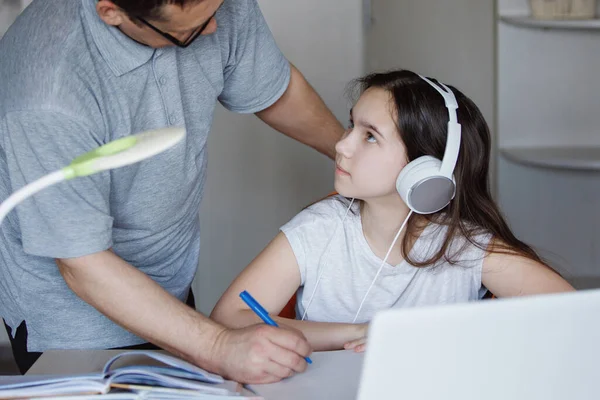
[421, 186]
[412, 171]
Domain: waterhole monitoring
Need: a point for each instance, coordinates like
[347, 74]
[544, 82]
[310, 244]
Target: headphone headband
[454, 128]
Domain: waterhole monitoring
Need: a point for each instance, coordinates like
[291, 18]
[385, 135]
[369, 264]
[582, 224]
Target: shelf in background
[529, 22]
[574, 158]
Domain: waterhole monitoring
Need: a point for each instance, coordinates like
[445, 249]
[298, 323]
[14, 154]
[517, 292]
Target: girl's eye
[370, 138]
[350, 125]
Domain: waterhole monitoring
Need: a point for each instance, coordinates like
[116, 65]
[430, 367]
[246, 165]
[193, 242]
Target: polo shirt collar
[121, 53]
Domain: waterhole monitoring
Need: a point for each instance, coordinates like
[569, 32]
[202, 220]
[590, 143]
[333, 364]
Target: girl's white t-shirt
[349, 266]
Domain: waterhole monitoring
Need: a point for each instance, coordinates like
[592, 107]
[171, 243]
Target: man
[107, 261]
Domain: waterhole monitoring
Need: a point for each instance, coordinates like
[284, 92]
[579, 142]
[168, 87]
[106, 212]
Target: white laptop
[534, 348]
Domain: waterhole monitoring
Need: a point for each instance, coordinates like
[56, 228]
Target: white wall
[548, 97]
[258, 179]
[9, 9]
[452, 40]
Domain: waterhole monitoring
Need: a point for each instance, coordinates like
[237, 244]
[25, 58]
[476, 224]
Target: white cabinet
[548, 104]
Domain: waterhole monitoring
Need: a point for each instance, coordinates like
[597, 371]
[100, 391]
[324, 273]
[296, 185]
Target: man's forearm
[302, 115]
[134, 301]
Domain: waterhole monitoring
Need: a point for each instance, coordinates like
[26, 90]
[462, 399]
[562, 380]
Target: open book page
[184, 368]
[108, 396]
[333, 375]
[178, 374]
[54, 388]
[147, 370]
[37, 385]
[154, 395]
[20, 380]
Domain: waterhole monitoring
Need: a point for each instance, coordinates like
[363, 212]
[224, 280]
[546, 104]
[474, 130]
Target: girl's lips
[340, 170]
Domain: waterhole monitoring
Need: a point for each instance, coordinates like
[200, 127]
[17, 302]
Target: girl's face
[371, 154]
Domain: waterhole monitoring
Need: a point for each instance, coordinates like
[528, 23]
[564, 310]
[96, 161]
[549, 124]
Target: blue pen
[262, 313]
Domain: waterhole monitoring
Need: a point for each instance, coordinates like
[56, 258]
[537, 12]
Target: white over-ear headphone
[427, 184]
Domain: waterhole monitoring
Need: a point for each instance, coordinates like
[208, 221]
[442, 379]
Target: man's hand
[260, 353]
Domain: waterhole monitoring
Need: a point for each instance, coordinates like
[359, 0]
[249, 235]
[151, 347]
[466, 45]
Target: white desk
[332, 375]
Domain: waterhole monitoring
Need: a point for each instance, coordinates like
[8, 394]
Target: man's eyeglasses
[174, 40]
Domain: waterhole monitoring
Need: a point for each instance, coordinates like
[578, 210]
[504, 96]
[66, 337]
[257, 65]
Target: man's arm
[302, 115]
[130, 298]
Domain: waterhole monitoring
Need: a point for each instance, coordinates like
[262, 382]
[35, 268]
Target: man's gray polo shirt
[70, 83]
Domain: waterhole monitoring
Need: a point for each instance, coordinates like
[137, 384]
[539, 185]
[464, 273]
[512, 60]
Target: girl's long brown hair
[421, 118]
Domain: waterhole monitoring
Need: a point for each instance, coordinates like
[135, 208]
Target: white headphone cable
[312, 296]
[381, 266]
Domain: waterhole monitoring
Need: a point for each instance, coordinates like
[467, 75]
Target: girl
[348, 256]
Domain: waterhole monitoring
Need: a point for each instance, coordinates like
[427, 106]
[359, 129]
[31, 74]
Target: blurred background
[533, 78]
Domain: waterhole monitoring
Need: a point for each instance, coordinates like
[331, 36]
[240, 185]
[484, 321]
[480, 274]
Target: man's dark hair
[149, 8]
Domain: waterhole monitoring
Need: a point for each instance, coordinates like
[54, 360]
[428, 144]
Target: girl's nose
[344, 145]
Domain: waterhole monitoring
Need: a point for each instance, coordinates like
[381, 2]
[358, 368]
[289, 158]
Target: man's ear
[110, 13]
